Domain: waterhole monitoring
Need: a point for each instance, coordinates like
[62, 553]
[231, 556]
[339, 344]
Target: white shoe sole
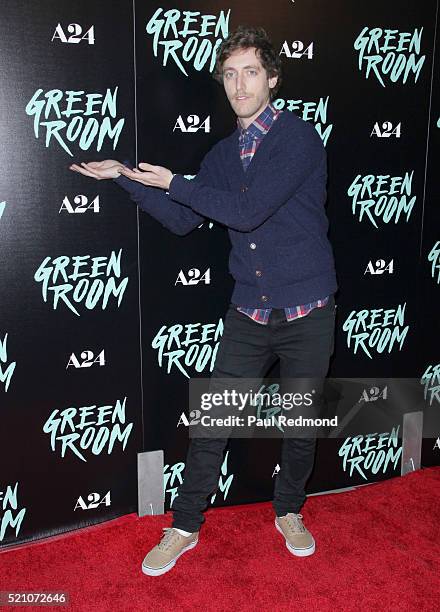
[152, 571]
[299, 552]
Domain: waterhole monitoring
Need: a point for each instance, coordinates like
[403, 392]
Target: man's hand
[153, 176]
[107, 169]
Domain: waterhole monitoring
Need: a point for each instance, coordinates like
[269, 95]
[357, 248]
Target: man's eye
[252, 72]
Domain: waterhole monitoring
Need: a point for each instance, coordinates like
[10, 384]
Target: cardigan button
[253, 246]
[258, 272]
[244, 188]
[264, 298]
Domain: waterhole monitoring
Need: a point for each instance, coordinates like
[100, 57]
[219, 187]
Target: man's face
[246, 84]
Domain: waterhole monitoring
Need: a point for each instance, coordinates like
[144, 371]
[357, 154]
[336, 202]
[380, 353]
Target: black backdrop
[81, 393]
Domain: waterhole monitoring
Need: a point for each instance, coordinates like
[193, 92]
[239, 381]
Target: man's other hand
[153, 176]
[107, 169]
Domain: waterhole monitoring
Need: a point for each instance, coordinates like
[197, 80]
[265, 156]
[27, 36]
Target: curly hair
[245, 37]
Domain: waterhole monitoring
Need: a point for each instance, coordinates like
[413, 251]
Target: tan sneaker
[164, 555]
[299, 540]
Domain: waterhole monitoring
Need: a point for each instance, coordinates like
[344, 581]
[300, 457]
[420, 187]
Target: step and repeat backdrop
[105, 315]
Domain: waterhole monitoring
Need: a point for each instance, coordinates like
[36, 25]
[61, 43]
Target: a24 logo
[87, 359]
[75, 34]
[81, 205]
[193, 277]
[380, 267]
[373, 394]
[297, 50]
[193, 124]
[386, 130]
[94, 500]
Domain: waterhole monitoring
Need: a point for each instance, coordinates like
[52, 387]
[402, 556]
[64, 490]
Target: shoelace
[295, 523]
[167, 537]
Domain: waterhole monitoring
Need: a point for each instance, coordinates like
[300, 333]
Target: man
[267, 183]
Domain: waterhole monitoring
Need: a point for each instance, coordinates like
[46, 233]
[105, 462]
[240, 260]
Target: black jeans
[247, 349]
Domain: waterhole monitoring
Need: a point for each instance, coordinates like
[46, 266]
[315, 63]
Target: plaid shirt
[249, 140]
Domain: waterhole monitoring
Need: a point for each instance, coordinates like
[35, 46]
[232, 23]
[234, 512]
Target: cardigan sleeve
[280, 178]
[178, 219]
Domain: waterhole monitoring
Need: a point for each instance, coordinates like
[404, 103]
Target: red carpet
[377, 548]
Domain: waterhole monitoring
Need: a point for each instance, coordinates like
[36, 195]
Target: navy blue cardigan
[274, 213]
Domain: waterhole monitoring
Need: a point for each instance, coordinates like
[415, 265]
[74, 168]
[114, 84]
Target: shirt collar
[261, 124]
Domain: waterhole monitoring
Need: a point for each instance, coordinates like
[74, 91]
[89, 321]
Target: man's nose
[239, 83]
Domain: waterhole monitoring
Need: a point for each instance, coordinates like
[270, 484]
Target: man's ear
[272, 82]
